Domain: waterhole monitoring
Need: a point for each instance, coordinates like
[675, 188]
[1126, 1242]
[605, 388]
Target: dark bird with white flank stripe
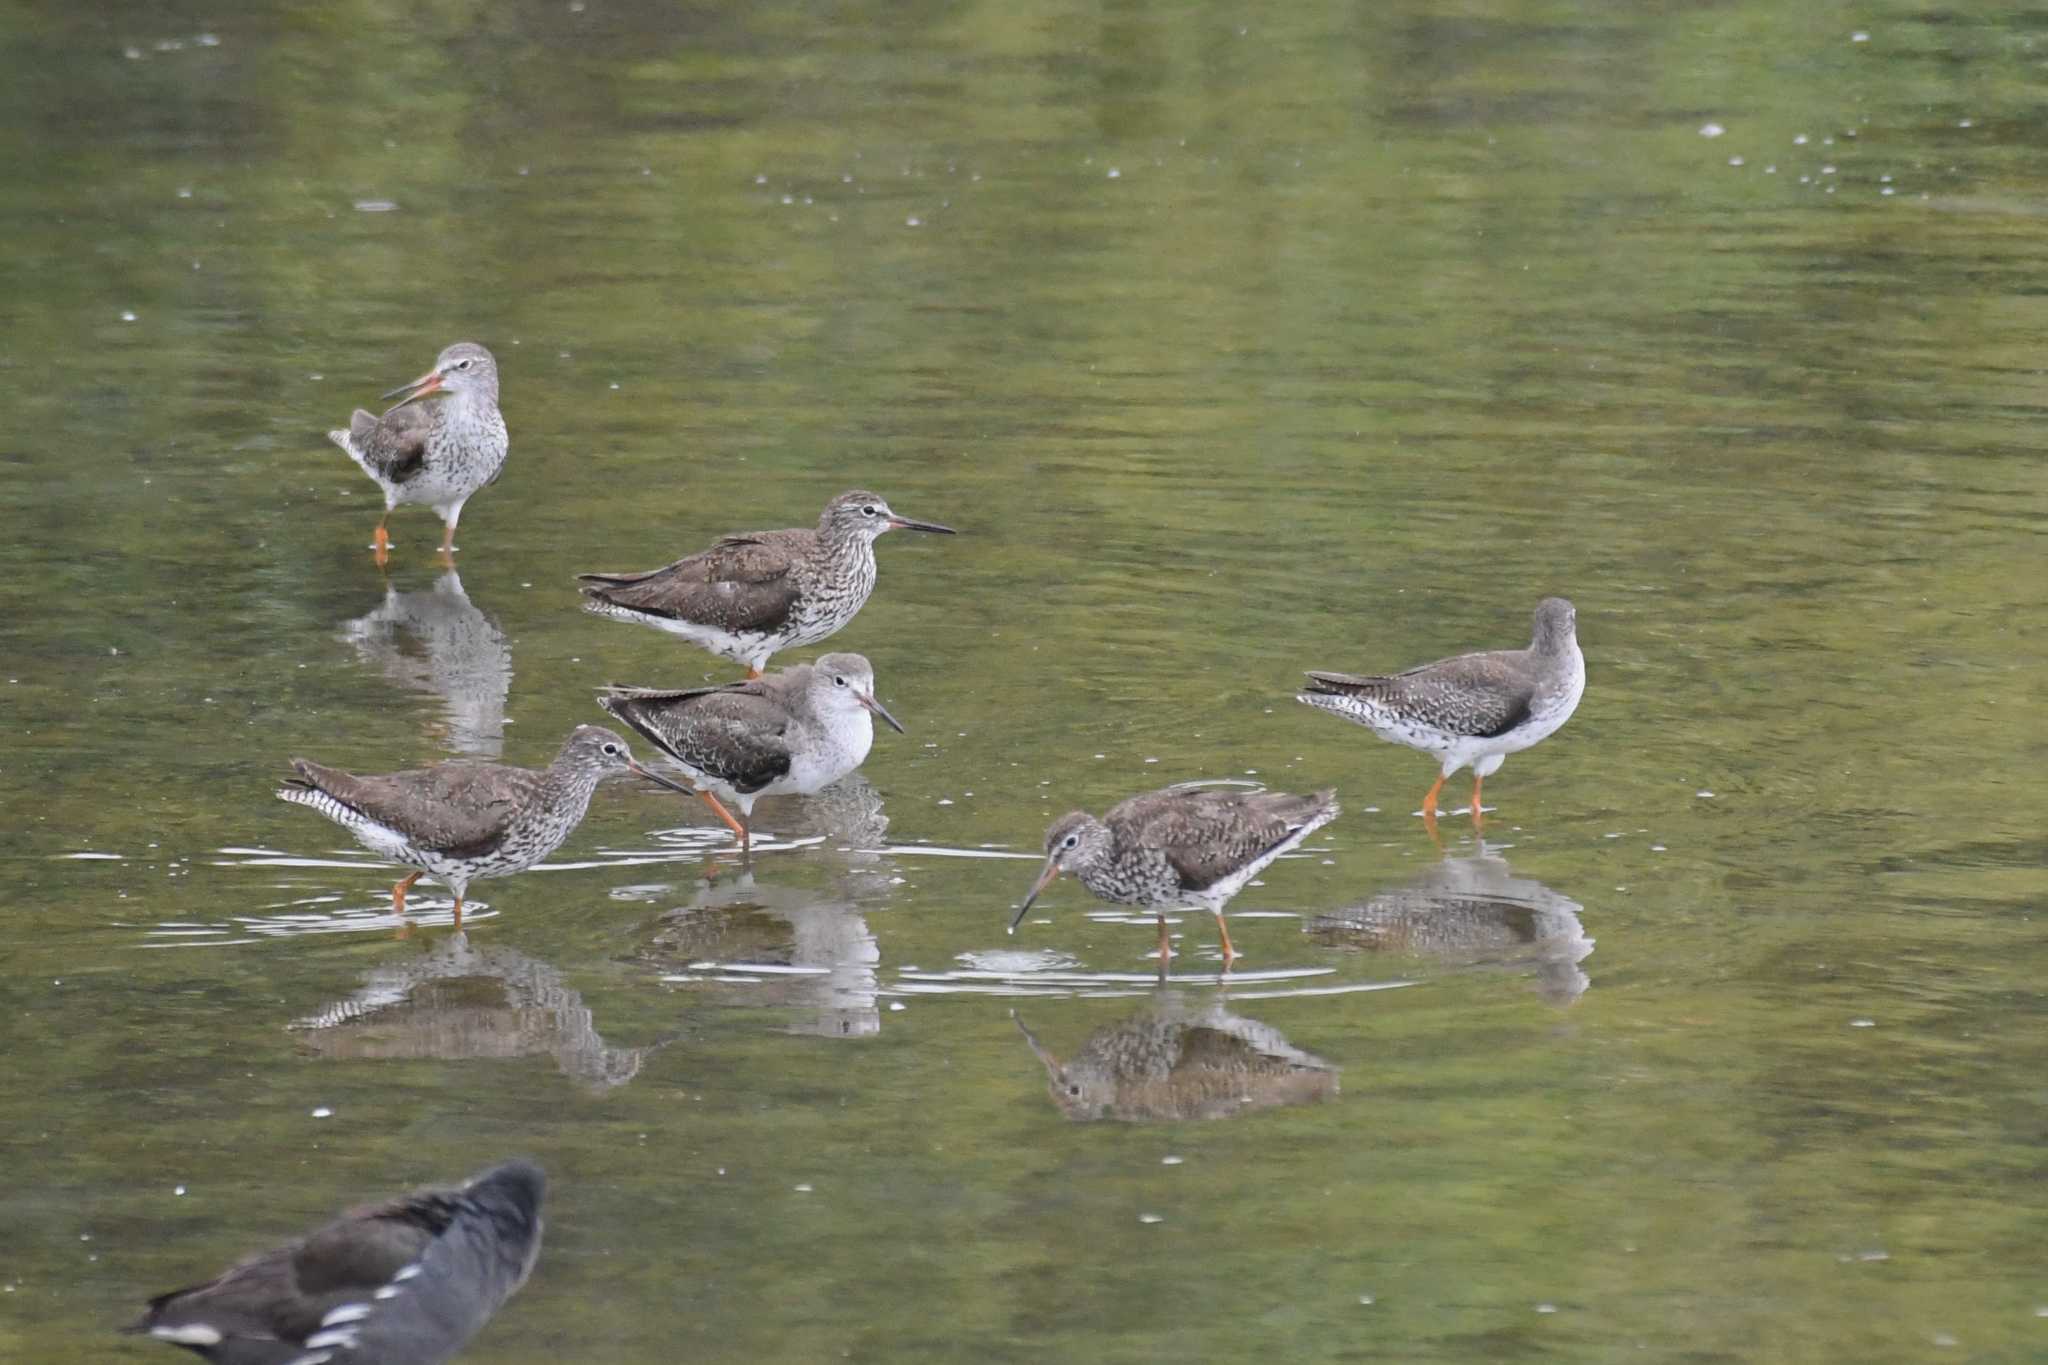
[403, 1283]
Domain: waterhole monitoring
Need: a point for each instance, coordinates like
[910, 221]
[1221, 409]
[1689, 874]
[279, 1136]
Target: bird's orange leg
[380, 541]
[1165, 948]
[448, 545]
[718, 809]
[1229, 953]
[1429, 803]
[398, 892]
[752, 673]
[1477, 780]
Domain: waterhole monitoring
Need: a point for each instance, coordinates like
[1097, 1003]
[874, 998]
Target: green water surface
[1236, 340]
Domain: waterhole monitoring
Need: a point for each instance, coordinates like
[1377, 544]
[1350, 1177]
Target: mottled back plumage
[750, 596]
[1470, 709]
[737, 735]
[402, 1283]
[1207, 834]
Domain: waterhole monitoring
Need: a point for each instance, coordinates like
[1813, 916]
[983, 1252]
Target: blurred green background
[1236, 341]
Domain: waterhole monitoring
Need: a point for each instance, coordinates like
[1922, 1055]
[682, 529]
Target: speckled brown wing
[1480, 695]
[743, 583]
[395, 445]
[1206, 835]
[265, 1308]
[460, 809]
[736, 734]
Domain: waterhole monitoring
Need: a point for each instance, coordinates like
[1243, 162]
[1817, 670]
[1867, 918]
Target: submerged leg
[380, 541]
[398, 892]
[752, 673]
[718, 808]
[1229, 953]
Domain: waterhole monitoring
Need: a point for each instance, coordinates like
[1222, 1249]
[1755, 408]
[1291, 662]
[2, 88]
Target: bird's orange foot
[752, 673]
[380, 546]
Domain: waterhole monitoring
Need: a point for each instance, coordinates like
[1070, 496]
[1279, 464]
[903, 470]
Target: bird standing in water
[797, 731]
[438, 454]
[461, 821]
[1180, 848]
[1472, 709]
[751, 596]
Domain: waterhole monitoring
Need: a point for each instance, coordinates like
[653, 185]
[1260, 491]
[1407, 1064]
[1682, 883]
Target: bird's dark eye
[838, 682]
[462, 365]
[868, 510]
[611, 751]
[1072, 840]
[1073, 1090]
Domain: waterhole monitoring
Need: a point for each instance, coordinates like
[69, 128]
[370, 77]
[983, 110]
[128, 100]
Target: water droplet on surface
[1735, 161]
[1151, 1218]
[913, 222]
[1711, 130]
[1799, 140]
[127, 316]
[376, 206]
[1859, 36]
[1365, 1300]
[1114, 174]
[1863, 1023]
[1546, 1308]
[802, 1189]
[323, 1112]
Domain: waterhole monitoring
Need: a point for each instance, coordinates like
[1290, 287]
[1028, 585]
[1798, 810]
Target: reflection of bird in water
[459, 1001]
[1168, 1063]
[738, 924]
[1471, 911]
[437, 643]
[848, 813]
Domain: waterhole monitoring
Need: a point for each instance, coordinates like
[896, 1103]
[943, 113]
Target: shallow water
[1235, 342]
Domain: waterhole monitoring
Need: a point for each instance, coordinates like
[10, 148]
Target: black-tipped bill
[634, 767]
[897, 523]
[419, 388]
[882, 711]
[1045, 879]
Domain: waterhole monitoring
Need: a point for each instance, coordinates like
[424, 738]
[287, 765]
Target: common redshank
[437, 454]
[463, 821]
[1168, 1063]
[408, 1282]
[1473, 709]
[806, 727]
[750, 596]
[1183, 848]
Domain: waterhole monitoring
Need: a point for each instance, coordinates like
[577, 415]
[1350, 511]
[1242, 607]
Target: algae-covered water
[1235, 341]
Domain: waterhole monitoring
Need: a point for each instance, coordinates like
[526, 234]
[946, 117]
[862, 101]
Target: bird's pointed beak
[634, 767]
[1045, 879]
[897, 523]
[430, 382]
[1051, 1063]
[867, 699]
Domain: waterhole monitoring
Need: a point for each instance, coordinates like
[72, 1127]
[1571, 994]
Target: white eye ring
[868, 510]
[462, 365]
[611, 751]
[838, 682]
[1072, 841]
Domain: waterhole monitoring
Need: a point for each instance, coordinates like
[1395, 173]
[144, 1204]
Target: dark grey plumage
[792, 733]
[438, 454]
[1181, 847]
[1472, 709]
[750, 596]
[408, 1282]
[1166, 1064]
[461, 821]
